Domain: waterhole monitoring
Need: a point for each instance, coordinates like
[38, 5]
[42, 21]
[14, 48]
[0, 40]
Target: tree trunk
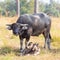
[18, 7]
[35, 6]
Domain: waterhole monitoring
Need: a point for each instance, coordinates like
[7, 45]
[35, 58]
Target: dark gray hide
[37, 24]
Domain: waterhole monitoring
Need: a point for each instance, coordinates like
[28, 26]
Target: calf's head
[17, 28]
[35, 47]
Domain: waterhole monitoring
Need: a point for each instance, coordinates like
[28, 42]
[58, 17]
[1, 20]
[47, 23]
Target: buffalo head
[17, 28]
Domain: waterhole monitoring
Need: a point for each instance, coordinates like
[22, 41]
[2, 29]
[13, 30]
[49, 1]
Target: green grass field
[10, 44]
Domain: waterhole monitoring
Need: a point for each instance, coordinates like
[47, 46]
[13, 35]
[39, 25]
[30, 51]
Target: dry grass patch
[10, 44]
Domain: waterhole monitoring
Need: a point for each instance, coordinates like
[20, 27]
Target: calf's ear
[9, 26]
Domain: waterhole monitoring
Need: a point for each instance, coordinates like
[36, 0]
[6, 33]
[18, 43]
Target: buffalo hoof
[44, 47]
[49, 48]
[21, 50]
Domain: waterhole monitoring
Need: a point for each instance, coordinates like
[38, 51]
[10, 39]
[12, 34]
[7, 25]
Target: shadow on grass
[16, 51]
[9, 50]
[55, 50]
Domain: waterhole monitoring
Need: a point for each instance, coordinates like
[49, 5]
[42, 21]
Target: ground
[10, 44]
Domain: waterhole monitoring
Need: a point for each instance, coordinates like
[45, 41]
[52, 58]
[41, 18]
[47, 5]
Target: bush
[52, 11]
[12, 13]
[3, 12]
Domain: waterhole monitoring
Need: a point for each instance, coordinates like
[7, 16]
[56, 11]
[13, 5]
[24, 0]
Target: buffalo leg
[21, 44]
[50, 36]
[26, 42]
[47, 40]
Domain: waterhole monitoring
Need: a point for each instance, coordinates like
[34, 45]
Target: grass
[10, 44]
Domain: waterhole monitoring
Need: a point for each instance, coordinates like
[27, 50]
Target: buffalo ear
[9, 26]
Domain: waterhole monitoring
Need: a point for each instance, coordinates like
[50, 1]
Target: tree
[10, 7]
[36, 6]
[51, 9]
[18, 7]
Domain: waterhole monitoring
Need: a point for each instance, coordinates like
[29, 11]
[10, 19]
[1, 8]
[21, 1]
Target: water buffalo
[32, 25]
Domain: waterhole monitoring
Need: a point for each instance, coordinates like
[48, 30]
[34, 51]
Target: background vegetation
[8, 8]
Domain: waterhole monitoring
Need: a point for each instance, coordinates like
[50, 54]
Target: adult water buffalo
[32, 25]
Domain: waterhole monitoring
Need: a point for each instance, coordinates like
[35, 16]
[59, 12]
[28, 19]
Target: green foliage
[31, 7]
[12, 13]
[23, 4]
[27, 7]
[8, 8]
[52, 9]
[0, 10]
[41, 7]
[3, 12]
